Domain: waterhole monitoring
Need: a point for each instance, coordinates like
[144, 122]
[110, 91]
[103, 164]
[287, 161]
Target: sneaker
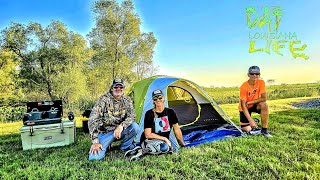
[255, 131]
[266, 134]
[132, 151]
[137, 157]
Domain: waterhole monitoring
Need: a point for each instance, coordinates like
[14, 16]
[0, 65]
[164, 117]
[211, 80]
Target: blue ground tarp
[203, 136]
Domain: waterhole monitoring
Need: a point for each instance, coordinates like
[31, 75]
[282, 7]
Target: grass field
[231, 94]
[293, 153]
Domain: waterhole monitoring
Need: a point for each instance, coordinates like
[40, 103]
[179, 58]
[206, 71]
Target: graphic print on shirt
[253, 92]
[161, 124]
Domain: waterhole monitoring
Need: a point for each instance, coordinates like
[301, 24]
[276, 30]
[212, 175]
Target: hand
[247, 104]
[117, 132]
[96, 148]
[168, 142]
[253, 124]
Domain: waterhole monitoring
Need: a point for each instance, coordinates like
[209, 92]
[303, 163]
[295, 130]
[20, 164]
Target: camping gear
[48, 135]
[85, 127]
[42, 121]
[43, 112]
[70, 116]
[85, 114]
[35, 114]
[195, 109]
[53, 113]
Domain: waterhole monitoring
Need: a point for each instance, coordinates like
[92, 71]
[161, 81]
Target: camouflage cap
[117, 81]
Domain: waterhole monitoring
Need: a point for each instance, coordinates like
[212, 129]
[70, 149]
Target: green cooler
[49, 135]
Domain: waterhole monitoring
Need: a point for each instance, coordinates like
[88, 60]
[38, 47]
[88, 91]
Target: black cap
[117, 81]
[156, 93]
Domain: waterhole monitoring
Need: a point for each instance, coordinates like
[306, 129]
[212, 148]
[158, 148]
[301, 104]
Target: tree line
[50, 62]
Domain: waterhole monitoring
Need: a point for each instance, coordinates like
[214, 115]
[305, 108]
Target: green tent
[195, 109]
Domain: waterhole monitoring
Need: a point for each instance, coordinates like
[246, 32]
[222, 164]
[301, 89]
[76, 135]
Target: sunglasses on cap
[257, 74]
[157, 97]
[117, 87]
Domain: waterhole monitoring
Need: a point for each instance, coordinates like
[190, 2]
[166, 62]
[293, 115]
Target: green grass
[293, 153]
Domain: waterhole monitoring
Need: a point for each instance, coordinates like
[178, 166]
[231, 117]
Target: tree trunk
[49, 90]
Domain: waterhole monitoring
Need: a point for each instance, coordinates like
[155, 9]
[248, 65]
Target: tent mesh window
[192, 115]
[183, 104]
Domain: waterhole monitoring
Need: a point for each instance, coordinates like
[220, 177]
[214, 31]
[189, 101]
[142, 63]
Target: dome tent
[200, 118]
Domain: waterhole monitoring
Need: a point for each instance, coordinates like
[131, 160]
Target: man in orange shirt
[253, 97]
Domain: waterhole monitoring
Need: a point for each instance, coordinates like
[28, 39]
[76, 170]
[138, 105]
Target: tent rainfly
[200, 118]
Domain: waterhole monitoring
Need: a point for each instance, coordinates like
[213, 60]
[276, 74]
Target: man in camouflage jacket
[112, 118]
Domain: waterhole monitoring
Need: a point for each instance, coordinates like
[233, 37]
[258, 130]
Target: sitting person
[158, 123]
[253, 98]
[112, 118]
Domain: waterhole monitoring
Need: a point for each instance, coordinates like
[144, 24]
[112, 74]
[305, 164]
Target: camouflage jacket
[108, 113]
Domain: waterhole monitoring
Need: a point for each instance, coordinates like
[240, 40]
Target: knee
[135, 127]
[164, 147]
[97, 156]
[263, 106]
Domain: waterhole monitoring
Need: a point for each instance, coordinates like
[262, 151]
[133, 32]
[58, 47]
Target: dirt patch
[314, 103]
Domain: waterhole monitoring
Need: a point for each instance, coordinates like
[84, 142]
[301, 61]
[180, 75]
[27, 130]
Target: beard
[115, 93]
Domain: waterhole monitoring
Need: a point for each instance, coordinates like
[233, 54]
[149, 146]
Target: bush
[11, 114]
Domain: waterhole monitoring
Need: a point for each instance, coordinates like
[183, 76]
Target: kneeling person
[253, 99]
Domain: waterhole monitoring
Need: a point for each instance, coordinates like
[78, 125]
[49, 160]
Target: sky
[205, 41]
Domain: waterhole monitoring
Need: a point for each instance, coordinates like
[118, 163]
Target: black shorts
[244, 119]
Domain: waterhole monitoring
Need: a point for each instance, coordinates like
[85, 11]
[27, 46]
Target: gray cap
[254, 69]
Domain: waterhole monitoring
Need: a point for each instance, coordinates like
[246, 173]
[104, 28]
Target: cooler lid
[66, 124]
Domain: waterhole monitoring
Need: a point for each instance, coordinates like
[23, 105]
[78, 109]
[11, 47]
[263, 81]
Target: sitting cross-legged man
[112, 118]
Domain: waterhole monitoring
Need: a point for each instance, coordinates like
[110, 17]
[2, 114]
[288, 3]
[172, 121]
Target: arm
[130, 115]
[244, 105]
[178, 134]
[95, 121]
[127, 120]
[263, 98]
[98, 118]
[247, 114]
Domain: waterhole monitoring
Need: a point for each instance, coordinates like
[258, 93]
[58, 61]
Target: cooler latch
[31, 130]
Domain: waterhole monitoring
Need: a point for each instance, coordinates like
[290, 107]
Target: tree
[51, 58]
[271, 81]
[9, 89]
[144, 54]
[121, 49]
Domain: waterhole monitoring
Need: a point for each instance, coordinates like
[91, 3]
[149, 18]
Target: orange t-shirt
[250, 93]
